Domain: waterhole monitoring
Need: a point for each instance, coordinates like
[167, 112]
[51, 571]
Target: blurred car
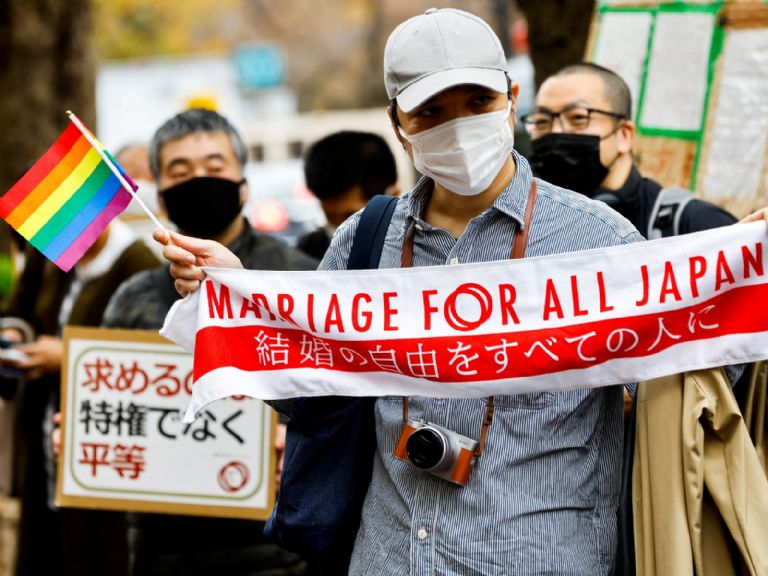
[279, 202]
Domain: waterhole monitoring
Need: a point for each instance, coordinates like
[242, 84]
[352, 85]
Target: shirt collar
[512, 200]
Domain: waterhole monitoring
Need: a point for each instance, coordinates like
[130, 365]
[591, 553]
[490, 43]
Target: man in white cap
[542, 496]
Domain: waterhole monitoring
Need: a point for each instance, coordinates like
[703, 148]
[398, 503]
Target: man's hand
[761, 214]
[43, 357]
[188, 255]
[280, 451]
[56, 434]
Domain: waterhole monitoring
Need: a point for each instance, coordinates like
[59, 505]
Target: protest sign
[580, 320]
[696, 71]
[124, 446]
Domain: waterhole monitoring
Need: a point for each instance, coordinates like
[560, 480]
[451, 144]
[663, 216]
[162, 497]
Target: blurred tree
[141, 28]
[557, 31]
[46, 67]
[335, 51]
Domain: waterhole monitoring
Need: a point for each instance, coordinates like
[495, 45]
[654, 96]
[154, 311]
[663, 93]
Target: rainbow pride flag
[67, 198]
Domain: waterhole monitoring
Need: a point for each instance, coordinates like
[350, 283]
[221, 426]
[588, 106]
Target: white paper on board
[622, 46]
[676, 84]
[738, 137]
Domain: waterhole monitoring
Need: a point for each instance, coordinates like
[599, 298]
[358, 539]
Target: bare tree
[558, 31]
[336, 62]
[46, 67]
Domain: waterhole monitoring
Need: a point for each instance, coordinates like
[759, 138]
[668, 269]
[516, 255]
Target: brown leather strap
[521, 238]
[484, 427]
[519, 244]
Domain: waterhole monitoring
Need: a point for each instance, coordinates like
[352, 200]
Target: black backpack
[329, 447]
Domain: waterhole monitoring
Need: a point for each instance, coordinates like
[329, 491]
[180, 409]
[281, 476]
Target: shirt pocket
[532, 401]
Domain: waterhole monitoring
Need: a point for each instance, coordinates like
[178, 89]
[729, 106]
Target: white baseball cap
[439, 49]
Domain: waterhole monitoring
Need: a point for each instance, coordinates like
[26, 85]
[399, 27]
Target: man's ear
[626, 137]
[514, 88]
[245, 189]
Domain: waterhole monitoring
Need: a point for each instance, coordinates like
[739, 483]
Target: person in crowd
[198, 160]
[344, 170]
[77, 542]
[583, 136]
[543, 497]
[134, 158]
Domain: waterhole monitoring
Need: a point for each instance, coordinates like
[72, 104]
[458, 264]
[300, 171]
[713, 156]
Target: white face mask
[464, 155]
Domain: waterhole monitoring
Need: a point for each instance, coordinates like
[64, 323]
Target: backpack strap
[667, 212]
[372, 227]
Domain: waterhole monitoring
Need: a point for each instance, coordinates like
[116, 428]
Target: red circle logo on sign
[233, 476]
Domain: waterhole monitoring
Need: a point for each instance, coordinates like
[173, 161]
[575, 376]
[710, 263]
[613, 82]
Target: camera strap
[519, 245]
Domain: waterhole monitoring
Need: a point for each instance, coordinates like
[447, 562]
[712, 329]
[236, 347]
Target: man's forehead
[197, 146]
[461, 89]
[578, 88]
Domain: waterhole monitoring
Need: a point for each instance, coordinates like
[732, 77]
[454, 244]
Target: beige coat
[697, 481]
[753, 400]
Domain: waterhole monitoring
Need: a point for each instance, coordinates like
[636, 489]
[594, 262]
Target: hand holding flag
[71, 194]
[187, 255]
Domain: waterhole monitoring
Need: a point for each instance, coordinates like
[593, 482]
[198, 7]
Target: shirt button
[453, 261]
[422, 534]
[418, 227]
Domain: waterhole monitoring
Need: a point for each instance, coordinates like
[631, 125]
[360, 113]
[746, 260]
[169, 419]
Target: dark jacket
[315, 243]
[82, 542]
[638, 195]
[183, 545]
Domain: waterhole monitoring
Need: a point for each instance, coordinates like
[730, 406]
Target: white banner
[577, 320]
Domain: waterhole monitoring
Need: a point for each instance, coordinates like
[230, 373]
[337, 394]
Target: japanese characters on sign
[124, 445]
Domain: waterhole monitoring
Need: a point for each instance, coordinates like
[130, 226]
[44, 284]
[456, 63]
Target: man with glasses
[582, 136]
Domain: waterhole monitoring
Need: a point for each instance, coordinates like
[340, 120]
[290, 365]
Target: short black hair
[193, 121]
[341, 160]
[616, 90]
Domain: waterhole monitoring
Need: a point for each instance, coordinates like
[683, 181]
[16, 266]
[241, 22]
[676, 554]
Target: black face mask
[570, 161]
[204, 206]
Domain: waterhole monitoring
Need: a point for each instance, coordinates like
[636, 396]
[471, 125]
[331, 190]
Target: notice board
[125, 447]
[698, 74]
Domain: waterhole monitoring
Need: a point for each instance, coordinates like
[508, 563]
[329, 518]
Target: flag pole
[104, 156]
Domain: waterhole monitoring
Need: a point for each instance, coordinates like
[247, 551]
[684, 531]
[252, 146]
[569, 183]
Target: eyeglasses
[572, 119]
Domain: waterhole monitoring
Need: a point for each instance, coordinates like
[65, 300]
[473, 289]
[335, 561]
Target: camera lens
[426, 448]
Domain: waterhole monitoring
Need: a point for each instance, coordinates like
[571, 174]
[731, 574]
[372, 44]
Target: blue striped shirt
[542, 498]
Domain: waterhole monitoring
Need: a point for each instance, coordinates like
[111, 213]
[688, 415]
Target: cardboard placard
[124, 446]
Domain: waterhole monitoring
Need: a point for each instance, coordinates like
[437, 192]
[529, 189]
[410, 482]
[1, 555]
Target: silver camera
[437, 450]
